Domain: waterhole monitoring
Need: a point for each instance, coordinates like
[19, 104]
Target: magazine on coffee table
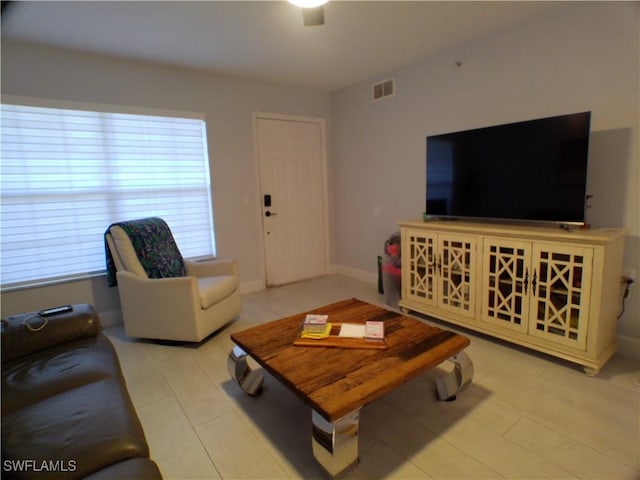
[341, 335]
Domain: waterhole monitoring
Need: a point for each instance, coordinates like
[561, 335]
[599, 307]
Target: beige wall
[228, 103]
[585, 57]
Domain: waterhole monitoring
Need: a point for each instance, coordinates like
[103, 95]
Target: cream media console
[545, 288]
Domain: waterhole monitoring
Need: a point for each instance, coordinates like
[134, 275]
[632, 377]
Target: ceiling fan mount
[313, 16]
[312, 11]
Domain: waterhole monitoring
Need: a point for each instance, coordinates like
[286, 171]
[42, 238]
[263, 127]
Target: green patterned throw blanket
[155, 247]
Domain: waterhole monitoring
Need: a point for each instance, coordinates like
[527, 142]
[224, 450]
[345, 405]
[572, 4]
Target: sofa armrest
[212, 268]
[27, 333]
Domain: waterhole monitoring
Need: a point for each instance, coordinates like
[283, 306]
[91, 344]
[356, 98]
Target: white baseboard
[628, 346]
[253, 286]
[110, 318]
[362, 275]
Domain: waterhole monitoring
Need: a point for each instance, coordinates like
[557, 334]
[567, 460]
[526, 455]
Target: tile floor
[526, 416]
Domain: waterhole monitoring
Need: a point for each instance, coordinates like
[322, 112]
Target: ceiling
[266, 40]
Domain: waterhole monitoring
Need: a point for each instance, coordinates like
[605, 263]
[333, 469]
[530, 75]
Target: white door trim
[321, 122]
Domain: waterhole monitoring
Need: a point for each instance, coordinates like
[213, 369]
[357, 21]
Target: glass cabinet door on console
[537, 289]
[456, 272]
[560, 294]
[420, 267]
[440, 270]
[507, 280]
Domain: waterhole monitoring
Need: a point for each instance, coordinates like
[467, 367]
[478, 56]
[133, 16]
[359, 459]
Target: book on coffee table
[374, 331]
[351, 330]
[371, 330]
[314, 323]
[317, 334]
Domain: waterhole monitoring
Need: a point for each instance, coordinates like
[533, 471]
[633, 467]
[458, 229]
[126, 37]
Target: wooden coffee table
[338, 382]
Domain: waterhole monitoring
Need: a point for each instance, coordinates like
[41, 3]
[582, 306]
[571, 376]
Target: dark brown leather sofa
[66, 412]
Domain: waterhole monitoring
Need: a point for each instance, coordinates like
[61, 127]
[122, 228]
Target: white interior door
[291, 158]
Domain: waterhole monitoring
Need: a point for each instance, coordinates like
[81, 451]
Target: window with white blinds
[67, 174]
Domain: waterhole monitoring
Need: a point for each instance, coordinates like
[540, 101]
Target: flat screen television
[533, 171]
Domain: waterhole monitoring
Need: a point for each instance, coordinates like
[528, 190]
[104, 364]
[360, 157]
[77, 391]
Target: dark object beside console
[66, 412]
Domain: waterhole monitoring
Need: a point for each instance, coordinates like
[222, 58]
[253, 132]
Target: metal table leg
[335, 444]
[250, 381]
[452, 383]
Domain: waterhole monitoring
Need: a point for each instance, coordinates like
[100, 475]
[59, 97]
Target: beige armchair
[183, 308]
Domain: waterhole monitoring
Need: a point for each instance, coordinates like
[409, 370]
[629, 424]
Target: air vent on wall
[383, 89]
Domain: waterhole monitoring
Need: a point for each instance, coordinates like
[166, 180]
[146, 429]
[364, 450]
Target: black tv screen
[534, 170]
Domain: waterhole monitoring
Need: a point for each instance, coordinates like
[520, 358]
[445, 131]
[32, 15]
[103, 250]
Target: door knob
[268, 213]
